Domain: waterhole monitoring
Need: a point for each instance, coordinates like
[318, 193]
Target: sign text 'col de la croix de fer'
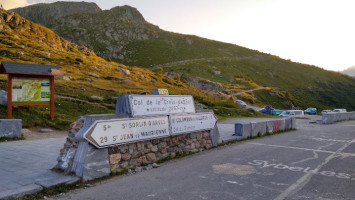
[147, 105]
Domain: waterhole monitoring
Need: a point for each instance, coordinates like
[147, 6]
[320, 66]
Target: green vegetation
[304, 85]
[89, 76]
[145, 45]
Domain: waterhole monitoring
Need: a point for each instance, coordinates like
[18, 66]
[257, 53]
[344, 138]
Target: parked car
[240, 102]
[276, 112]
[339, 110]
[267, 110]
[326, 111]
[293, 113]
[311, 111]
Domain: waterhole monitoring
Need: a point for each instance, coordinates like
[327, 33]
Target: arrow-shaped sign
[104, 133]
[192, 122]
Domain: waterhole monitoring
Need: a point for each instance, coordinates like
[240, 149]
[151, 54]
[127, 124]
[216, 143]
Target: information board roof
[30, 69]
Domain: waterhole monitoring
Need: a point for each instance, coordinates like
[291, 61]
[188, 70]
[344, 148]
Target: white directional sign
[119, 131]
[191, 122]
[144, 105]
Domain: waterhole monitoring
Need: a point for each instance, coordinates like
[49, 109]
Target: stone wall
[330, 118]
[89, 162]
[145, 152]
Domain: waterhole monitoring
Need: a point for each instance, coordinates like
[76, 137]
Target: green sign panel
[30, 90]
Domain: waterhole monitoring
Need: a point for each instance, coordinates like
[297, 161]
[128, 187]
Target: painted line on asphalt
[300, 183]
[329, 140]
[304, 149]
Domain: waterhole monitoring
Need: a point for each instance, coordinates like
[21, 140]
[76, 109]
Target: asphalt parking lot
[314, 162]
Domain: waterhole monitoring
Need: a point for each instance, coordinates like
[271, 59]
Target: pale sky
[316, 32]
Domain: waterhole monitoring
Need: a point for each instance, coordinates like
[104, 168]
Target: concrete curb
[252, 129]
[330, 118]
[37, 186]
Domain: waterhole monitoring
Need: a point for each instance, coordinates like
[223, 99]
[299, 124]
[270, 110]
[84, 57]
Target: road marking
[329, 140]
[234, 169]
[304, 149]
[300, 183]
[262, 164]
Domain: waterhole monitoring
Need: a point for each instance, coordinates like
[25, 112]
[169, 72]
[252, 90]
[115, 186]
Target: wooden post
[52, 98]
[9, 96]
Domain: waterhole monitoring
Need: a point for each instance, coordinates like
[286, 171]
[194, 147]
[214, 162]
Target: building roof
[30, 69]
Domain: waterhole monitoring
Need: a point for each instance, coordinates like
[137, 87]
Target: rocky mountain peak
[46, 14]
[128, 13]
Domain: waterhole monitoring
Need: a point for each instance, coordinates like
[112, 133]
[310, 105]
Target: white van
[339, 110]
[292, 113]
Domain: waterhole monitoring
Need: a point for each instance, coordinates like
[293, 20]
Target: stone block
[151, 157]
[293, 123]
[258, 127]
[288, 123]
[96, 163]
[275, 125]
[115, 158]
[214, 134]
[343, 117]
[352, 115]
[10, 128]
[329, 118]
[242, 129]
[3, 97]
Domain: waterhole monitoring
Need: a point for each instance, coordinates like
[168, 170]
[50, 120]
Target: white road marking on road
[307, 159]
[233, 182]
[329, 140]
[279, 184]
[305, 149]
[300, 183]
[268, 188]
[202, 197]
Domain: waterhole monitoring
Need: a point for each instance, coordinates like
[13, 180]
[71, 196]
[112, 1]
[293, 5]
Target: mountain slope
[350, 71]
[45, 14]
[91, 84]
[123, 35]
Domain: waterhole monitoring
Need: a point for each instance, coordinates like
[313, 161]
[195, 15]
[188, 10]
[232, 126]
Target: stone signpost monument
[145, 129]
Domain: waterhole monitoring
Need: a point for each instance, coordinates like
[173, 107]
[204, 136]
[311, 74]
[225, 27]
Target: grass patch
[6, 139]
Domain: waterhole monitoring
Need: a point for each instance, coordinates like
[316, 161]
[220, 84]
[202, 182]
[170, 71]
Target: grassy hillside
[310, 86]
[123, 35]
[92, 84]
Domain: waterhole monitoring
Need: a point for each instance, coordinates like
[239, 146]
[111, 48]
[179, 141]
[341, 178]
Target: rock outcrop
[46, 14]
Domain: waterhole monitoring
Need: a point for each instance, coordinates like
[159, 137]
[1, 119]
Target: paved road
[316, 162]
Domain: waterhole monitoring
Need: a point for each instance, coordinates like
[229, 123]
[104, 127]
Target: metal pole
[52, 98]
